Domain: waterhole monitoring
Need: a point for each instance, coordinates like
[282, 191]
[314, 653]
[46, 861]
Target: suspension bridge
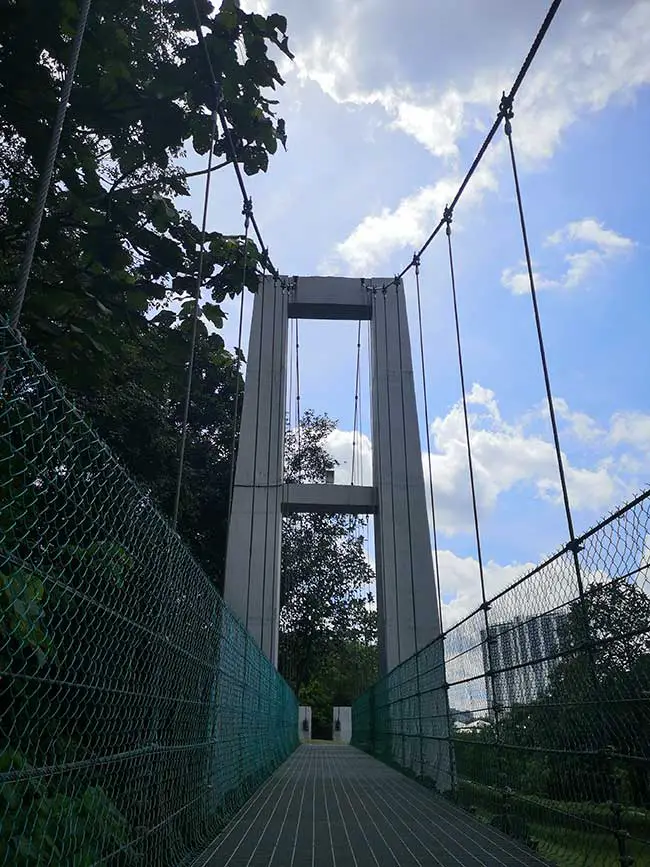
[143, 717]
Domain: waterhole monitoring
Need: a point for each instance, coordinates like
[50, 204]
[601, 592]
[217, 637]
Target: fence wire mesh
[534, 712]
[136, 713]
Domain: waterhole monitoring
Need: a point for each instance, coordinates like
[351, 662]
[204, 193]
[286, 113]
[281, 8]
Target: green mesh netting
[136, 712]
[534, 712]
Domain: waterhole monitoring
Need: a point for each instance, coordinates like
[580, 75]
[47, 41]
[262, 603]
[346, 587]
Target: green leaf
[213, 313]
[277, 22]
[165, 318]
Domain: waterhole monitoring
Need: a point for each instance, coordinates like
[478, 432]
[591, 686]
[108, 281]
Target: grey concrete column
[252, 582]
[406, 586]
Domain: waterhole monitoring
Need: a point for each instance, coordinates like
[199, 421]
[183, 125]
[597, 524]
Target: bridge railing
[136, 713]
[534, 710]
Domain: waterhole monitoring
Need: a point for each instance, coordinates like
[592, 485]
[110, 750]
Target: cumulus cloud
[350, 453]
[581, 425]
[377, 236]
[631, 428]
[605, 244]
[599, 54]
[461, 587]
[511, 455]
[505, 456]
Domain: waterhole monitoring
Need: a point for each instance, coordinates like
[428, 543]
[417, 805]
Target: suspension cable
[507, 112]
[461, 370]
[290, 376]
[428, 433]
[236, 420]
[45, 180]
[279, 465]
[360, 425]
[400, 333]
[356, 403]
[261, 306]
[470, 462]
[574, 544]
[195, 322]
[389, 428]
[380, 553]
[269, 453]
[298, 418]
[370, 411]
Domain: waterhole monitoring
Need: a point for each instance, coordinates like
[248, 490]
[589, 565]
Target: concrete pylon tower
[406, 585]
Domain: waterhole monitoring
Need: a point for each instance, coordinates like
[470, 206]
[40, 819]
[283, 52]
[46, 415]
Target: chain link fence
[136, 713]
[534, 711]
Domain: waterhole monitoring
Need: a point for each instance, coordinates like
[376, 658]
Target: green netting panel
[542, 704]
[136, 712]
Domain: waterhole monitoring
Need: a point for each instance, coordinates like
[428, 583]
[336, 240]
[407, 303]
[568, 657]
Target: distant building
[520, 651]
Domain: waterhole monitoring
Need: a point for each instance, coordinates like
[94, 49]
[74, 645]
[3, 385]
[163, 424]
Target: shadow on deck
[334, 806]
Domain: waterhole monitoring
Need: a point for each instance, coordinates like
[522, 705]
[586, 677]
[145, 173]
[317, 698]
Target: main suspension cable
[537, 42]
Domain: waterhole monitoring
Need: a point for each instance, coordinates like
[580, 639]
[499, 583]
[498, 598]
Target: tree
[598, 693]
[140, 414]
[328, 640]
[113, 239]
[591, 724]
[116, 251]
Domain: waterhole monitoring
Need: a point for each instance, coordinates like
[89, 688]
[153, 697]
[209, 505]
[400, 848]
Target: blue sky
[385, 106]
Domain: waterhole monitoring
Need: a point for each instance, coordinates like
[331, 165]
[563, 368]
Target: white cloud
[436, 126]
[505, 456]
[606, 244]
[605, 54]
[632, 428]
[598, 56]
[460, 583]
[341, 445]
[379, 235]
[519, 282]
[261, 7]
[509, 455]
[592, 232]
[580, 424]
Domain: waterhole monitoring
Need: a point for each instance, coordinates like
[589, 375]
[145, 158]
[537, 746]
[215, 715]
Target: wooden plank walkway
[334, 806]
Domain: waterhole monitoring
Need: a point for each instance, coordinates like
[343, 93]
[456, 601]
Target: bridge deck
[334, 806]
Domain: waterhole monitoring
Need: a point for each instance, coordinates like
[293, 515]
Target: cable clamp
[448, 216]
[506, 111]
[416, 262]
[574, 547]
[247, 211]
